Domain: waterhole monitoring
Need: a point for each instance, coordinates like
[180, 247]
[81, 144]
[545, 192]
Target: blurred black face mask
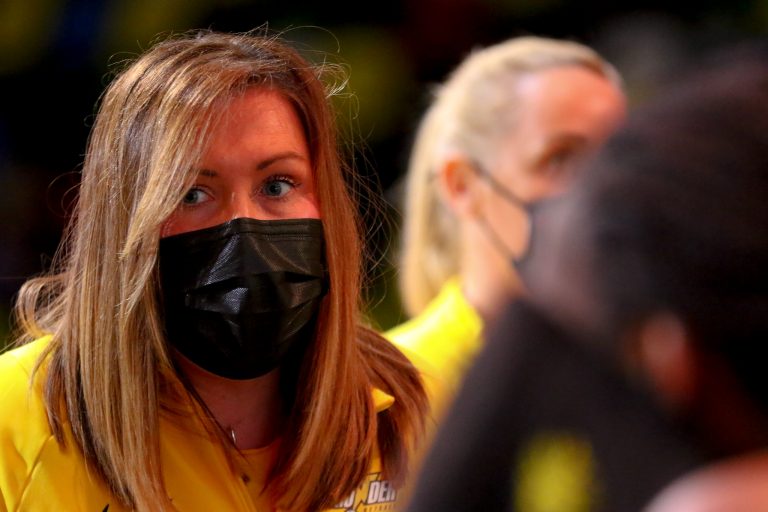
[241, 296]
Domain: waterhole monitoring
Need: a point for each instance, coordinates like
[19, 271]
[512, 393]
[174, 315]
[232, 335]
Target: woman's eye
[558, 160]
[560, 163]
[194, 196]
[277, 186]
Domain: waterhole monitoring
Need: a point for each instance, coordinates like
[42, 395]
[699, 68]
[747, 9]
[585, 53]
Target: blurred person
[644, 330]
[197, 345]
[507, 129]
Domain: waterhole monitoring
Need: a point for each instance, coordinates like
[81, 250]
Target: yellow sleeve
[23, 423]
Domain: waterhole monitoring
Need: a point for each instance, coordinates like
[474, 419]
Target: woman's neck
[250, 411]
[488, 293]
[488, 279]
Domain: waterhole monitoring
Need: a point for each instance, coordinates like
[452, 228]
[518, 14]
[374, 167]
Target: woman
[507, 129]
[645, 326]
[197, 346]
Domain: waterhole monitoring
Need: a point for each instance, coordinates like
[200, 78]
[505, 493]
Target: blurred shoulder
[445, 337]
[449, 315]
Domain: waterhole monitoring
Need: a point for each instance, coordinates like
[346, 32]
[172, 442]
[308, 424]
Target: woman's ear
[666, 356]
[458, 182]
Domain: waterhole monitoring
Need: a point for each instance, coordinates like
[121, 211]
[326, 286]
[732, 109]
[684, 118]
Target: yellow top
[447, 334]
[39, 474]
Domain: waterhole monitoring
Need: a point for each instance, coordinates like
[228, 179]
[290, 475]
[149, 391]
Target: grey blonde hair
[469, 113]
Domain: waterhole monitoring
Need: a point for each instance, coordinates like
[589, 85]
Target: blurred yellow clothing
[37, 473]
[556, 472]
[447, 335]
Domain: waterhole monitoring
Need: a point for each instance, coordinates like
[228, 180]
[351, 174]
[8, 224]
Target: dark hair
[676, 216]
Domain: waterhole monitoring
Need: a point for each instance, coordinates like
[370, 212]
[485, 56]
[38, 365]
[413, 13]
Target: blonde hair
[469, 113]
[108, 362]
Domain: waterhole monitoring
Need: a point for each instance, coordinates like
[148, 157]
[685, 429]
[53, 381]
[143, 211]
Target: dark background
[57, 56]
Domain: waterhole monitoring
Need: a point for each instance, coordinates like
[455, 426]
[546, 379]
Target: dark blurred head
[671, 220]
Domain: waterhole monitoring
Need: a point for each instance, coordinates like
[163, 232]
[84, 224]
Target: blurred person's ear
[662, 350]
[458, 181]
[698, 386]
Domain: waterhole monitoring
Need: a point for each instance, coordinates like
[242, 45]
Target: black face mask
[241, 296]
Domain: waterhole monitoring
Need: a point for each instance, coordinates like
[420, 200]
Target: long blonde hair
[469, 113]
[108, 359]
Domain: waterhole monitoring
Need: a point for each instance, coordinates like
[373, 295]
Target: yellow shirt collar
[381, 400]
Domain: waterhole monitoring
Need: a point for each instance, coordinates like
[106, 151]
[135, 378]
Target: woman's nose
[241, 205]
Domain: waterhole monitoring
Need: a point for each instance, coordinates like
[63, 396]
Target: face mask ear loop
[498, 187]
[513, 198]
[494, 238]
[520, 259]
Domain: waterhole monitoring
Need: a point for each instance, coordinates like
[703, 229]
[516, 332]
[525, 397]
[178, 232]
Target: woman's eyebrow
[280, 156]
[287, 155]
